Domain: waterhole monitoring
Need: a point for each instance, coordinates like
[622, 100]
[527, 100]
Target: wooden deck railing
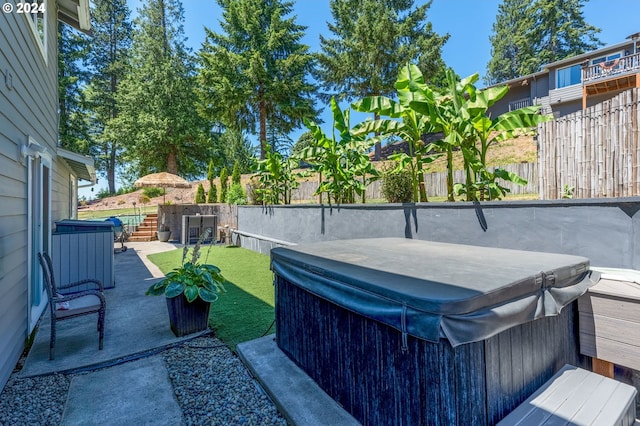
[520, 103]
[626, 64]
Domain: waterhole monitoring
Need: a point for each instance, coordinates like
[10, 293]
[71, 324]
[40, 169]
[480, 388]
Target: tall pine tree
[511, 51]
[156, 100]
[72, 124]
[371, 40]
[254, 75]
[530, 33]
[561, 31]
[110, 48]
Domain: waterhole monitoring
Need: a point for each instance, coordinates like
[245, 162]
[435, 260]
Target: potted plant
[163, 233]
[189, 291]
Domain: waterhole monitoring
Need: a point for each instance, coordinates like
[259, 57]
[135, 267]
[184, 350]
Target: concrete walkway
[114, 391]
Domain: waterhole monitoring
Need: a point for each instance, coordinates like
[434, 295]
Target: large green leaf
[380, 105]
[207, 295]
[174, 289]
[509, 176]
[191, 292]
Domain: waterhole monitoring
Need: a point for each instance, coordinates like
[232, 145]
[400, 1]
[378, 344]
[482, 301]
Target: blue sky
[468, 22]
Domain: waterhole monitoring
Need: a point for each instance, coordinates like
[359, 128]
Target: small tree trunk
[263, 130]
[450, 175]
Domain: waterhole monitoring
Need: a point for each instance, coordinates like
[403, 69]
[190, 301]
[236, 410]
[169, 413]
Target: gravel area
[211, 385]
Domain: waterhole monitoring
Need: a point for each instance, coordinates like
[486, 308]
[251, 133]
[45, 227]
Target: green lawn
[246, 310]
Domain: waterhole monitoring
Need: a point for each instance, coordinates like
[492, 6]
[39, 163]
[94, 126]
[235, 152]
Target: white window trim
[558, 79]
[620, 52]
[41, 43]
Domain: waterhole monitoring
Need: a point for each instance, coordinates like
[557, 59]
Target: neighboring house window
[569, 76]
[35, 13]
[606, 58]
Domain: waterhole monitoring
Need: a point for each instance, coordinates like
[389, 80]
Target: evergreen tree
[107, 61]
[510, 49]
[224, 183]
[157, 100]
[530, 33]
[235, 175]
[73, 127]
[200, 194]
[237, 149]
[561, 31]
[211, 171]
[305, 140]
[212, 196]
[254, 74]
[371, 40]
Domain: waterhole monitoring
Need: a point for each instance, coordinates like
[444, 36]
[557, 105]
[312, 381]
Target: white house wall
[28, 108]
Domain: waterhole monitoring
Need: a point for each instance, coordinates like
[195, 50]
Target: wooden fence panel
[435, 184]
[596, 151]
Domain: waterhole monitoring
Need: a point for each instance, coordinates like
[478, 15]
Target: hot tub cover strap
[457, 328]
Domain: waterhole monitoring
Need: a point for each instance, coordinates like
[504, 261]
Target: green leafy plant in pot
[190, 290]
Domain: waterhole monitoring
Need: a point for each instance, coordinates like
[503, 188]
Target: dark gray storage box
[403, 331]
[83, 249]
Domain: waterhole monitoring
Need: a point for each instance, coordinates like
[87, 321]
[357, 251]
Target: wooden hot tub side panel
[359, 362]
[521, 359]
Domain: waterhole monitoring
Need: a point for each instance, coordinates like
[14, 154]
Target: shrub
[396, 187]
[143, 199]
[235, 176]
[153, 192]
[103, 193]
[224, 183]
[236, 195]
[121, 202]
[212, 196]
[125, 190]
[254, 194]
[200, 195]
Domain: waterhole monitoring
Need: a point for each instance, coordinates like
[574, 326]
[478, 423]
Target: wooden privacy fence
[596, 151]
[435, 184]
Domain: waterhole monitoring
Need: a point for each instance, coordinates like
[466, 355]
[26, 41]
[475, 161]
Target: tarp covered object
[435, 290]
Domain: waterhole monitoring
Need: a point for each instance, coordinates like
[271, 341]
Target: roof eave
[81, 165]
[75, 13]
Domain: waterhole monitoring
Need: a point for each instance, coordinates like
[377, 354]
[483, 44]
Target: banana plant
[277, 178]
[462, 112]
[404, 122]
[342, 162]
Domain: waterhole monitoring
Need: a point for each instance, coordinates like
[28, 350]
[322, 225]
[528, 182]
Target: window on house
[606, 58]
[569, 76]
[35, 13]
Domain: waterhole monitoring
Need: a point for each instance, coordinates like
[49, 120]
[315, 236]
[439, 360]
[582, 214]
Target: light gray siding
[28, 108]
[565, 94]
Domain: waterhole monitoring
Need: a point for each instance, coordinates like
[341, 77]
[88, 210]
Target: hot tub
[402, 331]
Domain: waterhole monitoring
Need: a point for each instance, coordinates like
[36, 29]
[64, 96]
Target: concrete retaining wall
[604, 230]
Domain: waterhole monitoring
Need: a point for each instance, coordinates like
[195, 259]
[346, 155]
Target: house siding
[28, 109]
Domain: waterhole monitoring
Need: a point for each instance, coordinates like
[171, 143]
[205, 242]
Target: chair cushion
[81, 305]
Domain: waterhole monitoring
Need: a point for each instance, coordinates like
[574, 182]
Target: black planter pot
[186, 318]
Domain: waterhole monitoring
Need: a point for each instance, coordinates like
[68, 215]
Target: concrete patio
[136, 328]
[135, 323]
[136, 332]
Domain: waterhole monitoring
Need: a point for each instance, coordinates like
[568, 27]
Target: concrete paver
[135, 393]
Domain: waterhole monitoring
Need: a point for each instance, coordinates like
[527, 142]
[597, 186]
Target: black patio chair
[72, 300]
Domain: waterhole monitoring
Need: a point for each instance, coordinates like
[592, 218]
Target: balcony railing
[624, 65]
[520, 103]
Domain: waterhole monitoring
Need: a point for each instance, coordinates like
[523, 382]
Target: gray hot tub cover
[434, 290]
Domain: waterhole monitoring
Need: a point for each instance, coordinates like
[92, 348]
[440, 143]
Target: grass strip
[246, 310]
